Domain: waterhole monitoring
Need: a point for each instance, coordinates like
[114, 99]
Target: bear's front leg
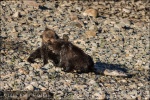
[34, 55]
[44, 54]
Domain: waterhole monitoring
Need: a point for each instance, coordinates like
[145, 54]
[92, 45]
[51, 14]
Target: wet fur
[49, 55]
[43, 51]
[71, 57]
[63, 53]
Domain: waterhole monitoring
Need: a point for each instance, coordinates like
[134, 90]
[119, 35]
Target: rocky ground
[115, 34]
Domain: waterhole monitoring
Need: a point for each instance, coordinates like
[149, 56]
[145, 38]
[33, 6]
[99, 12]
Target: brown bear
[71, 57]
[43, 52]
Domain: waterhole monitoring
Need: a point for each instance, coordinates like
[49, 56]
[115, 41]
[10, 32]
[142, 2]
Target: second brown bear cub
[43, 51]
[71, 57]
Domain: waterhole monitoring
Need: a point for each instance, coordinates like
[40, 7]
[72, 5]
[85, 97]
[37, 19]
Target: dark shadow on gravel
[100, 67]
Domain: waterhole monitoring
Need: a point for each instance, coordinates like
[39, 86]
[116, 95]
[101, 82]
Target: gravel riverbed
[114, 33]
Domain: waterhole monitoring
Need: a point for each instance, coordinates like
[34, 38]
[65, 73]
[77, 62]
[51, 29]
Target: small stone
[60, 93]
[24, 97]
[90, 33]
[42, 88]
[90, 12]
[31, 73]
[44, 76]
[22, 71]
[28, 78]
[133, 86]
[35, 84]
[30, 68]
[29, 87]
[99, 96]
[139, 97]
[6, 86]
[79, 86]
[76, 24]
[2, 85]
[127, 96]
[3, 34]
[123, 80]
[107, 21]
[16, 14]
[93, 28]
[124, 22]
[36, 66]
[47, 66]
[31, 3]
[46, 13]
[73, 17]
[114, 73]
[8, 75]
[114, 55]
[92, 82]
[79, 8]
[40, 71]
[126, 10]
[140, 84]
[118, 26]
[138, 24]
[35, 24]
[139, 62]
[147, 66]
[22, 13]
[14, 34]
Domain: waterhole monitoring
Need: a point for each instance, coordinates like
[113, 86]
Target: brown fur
[43, 52]
[47, 35]
[71, 57]
[63, 53]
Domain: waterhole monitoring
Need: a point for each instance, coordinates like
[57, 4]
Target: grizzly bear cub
[63, 53]
[43, 51]
[71, 57]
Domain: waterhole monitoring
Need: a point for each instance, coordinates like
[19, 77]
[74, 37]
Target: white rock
[92, 82]
[90, 33]
[79, 8]
[6, 86]
[124, 22]
[35, 84]
[29, 87]
[16, 14]
[114, 73]
[126, 10]
[146, 67]
[93, 27]
[24, 97]
[3, 34]
[90, 12]
[99, 96]
[42, 87]
[108, 21]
